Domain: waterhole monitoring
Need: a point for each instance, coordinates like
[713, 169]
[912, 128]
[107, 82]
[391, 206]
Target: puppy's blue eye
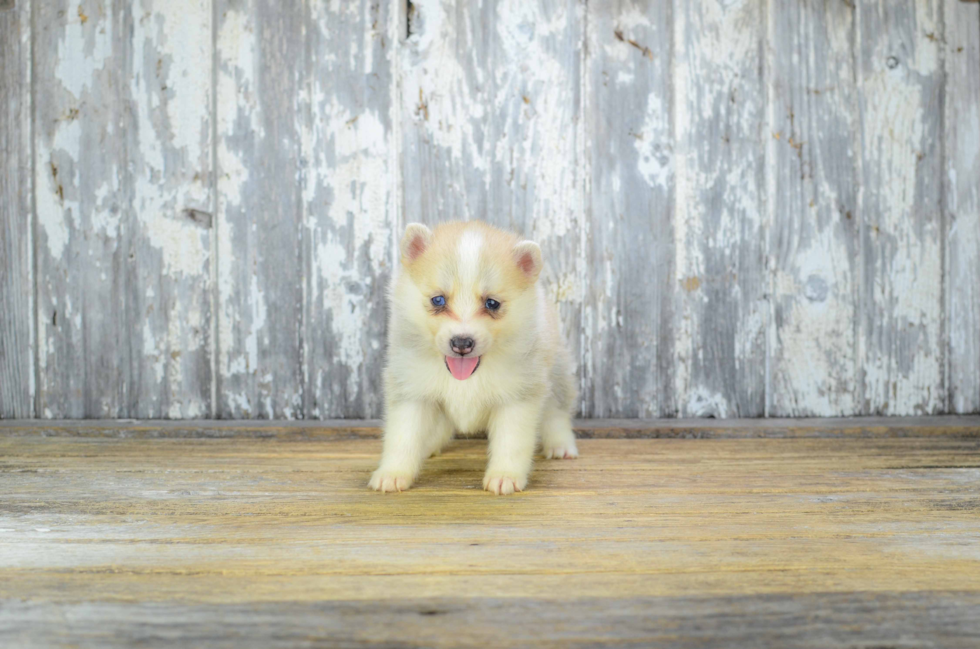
[438, 301]
[491, 304]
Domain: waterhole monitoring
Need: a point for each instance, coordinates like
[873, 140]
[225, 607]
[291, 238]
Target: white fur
[469, 257]
[522, 391]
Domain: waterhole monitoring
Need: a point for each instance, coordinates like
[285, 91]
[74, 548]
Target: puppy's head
[474, 289]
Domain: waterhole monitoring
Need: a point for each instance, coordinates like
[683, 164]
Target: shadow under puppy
[473, 346]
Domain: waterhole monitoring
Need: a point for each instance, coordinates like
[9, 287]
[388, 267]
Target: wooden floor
[855, 533]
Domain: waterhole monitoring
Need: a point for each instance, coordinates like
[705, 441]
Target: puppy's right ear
[414, 242]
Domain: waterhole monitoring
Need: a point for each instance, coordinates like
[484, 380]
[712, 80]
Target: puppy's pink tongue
[461, 368]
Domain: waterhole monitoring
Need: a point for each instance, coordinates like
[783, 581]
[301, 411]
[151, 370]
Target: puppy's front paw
[503, 484]
[560, 452]
[385, 480]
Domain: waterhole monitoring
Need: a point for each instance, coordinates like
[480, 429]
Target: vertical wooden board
[16, 239]
[534, 142]
[719, 115]
[900, 84]
[170, 162]
[348, 194]
[259, 58]
[533, 116]
[122, 174]
[631, 279]
[812, 198]
[490, 121]
[962, 192]
[446, 101]
[83, 357]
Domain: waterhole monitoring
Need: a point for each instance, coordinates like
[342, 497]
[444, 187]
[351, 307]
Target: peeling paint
[902, 322]
[962, 191]
[720, 330]
[124, 125]
[744, 208]
[656, 164]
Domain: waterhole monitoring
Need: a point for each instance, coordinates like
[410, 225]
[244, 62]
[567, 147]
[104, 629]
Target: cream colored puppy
[473, 346]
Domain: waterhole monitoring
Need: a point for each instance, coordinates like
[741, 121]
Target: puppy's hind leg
[557, 438]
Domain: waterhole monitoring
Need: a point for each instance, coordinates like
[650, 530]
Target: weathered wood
[339, 429]
[349, 180]
[900, 78]
[122, 117]
[961, 47]
[630, 287]
[534, 140]
[814, 240]
[925, 619]
[838, 427]
[446, 100]
[306, 207]
[260, 51]
[490, 129]
[178, 540]
[719, 110]
[16, 222]
[689, 169]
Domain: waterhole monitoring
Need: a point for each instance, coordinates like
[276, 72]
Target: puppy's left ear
[527, 254]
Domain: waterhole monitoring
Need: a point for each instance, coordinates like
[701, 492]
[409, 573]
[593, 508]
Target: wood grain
[349, 179]
[179, 540]
[259, 53]
[16, 222]
[306, 208]
[670, 428]
[628, 315]
[488, 92]
[746, 208]
[719, 230]
[446, 93]
[840, 620]
[812, 188]
[900, 86]
[122, 118]
[961, 123]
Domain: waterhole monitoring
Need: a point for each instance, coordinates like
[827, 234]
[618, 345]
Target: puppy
[473, 346]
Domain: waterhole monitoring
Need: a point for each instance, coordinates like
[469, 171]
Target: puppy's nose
[461, 345]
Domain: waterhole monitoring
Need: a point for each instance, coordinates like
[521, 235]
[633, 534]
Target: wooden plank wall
[305, 206]
[749, 208]
[123, 192]
[961, 193]
[16, 235]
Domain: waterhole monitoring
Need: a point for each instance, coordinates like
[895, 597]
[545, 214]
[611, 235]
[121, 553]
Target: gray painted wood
[961, 55]
[630, 284]
[813, 232]
[536, 59]
[446, 99]
[900, 87]
[16, 237]
[122, 116]
[689, 169]
[349, 182]
[488, 92]
[306, 207]
[260, 52]
[721, 284]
